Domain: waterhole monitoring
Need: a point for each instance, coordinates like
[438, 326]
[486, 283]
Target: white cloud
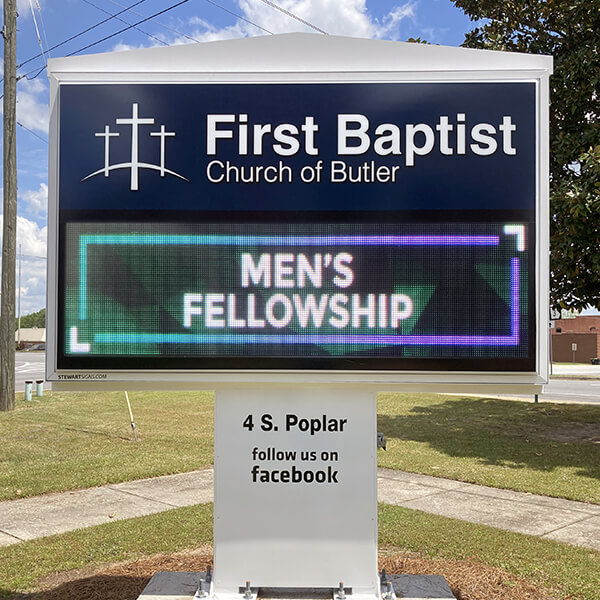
[122, 47]
[36, 201]
[206, 32]
[23, 8]
[32, 105]
[347, 17]
[434, 35]
[395, 16]
[32, 241]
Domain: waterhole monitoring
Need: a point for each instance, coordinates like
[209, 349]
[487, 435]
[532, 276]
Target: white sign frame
[298, 58]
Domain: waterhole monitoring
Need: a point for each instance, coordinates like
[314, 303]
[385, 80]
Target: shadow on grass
[105, 434]
[513, 435]
[105, 587]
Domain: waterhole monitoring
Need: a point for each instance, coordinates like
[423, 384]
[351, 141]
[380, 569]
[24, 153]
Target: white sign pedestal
[295, 489]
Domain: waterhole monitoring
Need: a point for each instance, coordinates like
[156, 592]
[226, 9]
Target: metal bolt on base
[341, 595]
[248, 591]
[200, 592]
[389, 591]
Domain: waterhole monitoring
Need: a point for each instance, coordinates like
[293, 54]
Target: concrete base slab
[172, 585]
[169, 585]
[421, 587]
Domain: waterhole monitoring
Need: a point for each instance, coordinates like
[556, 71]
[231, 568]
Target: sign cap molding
[300, 52]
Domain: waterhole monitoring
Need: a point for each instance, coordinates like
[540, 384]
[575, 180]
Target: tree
[36, 319]
[569, 30]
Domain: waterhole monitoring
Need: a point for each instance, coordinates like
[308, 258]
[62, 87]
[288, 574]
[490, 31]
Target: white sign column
[295, 488]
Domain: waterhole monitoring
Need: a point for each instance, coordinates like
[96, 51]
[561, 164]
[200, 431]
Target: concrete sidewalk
[576, 370]
[563, 520]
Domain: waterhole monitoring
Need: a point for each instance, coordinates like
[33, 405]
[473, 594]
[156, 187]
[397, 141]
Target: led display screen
[351, 226]
[351, 292]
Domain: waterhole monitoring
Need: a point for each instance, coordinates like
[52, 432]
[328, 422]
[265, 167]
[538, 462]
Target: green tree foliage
[569, 30]
[37, 319]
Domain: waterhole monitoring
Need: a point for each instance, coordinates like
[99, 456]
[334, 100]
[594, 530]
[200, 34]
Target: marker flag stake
[131, 417]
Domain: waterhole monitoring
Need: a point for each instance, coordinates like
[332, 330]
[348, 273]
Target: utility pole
[9, 236]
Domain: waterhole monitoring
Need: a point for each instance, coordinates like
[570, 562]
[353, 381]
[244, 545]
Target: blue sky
[437, 21]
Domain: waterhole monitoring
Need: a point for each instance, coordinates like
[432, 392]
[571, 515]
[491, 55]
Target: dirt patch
[144, 568]
[469, 579]
[580, 433]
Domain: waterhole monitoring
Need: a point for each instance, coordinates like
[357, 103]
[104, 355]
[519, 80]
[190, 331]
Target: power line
[26, 76]
[38, 72]
[39, 137]
[108, 37]
[39, 9]
[126, 22]
[293, 16]
[37, 31]
[159, 24]
[151, 18]
[112, 35]
[239, 16]
[188, 37]
[82, 33]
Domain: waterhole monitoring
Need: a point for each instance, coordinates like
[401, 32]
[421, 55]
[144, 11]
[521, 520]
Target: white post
[295, 489]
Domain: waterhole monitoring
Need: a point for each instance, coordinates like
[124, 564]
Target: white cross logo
[135, 165]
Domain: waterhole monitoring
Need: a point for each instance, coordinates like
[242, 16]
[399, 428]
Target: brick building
[28, 337]
[581, 333]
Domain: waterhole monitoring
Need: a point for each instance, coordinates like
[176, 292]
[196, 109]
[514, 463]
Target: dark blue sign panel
[326, 147]
[325, 226]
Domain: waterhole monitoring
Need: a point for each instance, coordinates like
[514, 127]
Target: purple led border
[515, 278]
[390, 340]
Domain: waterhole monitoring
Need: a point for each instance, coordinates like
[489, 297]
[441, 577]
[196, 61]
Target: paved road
[575, 370]
[30, 366]
[572, 390]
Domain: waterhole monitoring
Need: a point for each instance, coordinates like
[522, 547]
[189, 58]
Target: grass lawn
[75, 440]
[548, 449]
[555, 566]
[78, 440]
[21, 565]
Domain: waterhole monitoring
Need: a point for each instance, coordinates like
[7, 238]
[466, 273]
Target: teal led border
[251, 240]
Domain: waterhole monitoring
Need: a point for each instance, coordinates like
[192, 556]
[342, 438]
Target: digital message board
[351, 226]
[354, 294]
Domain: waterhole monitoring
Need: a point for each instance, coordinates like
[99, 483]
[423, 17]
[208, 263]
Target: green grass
[21, 565]
[75, 440]
[68, 441]
[497, 443]
[569, 569]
